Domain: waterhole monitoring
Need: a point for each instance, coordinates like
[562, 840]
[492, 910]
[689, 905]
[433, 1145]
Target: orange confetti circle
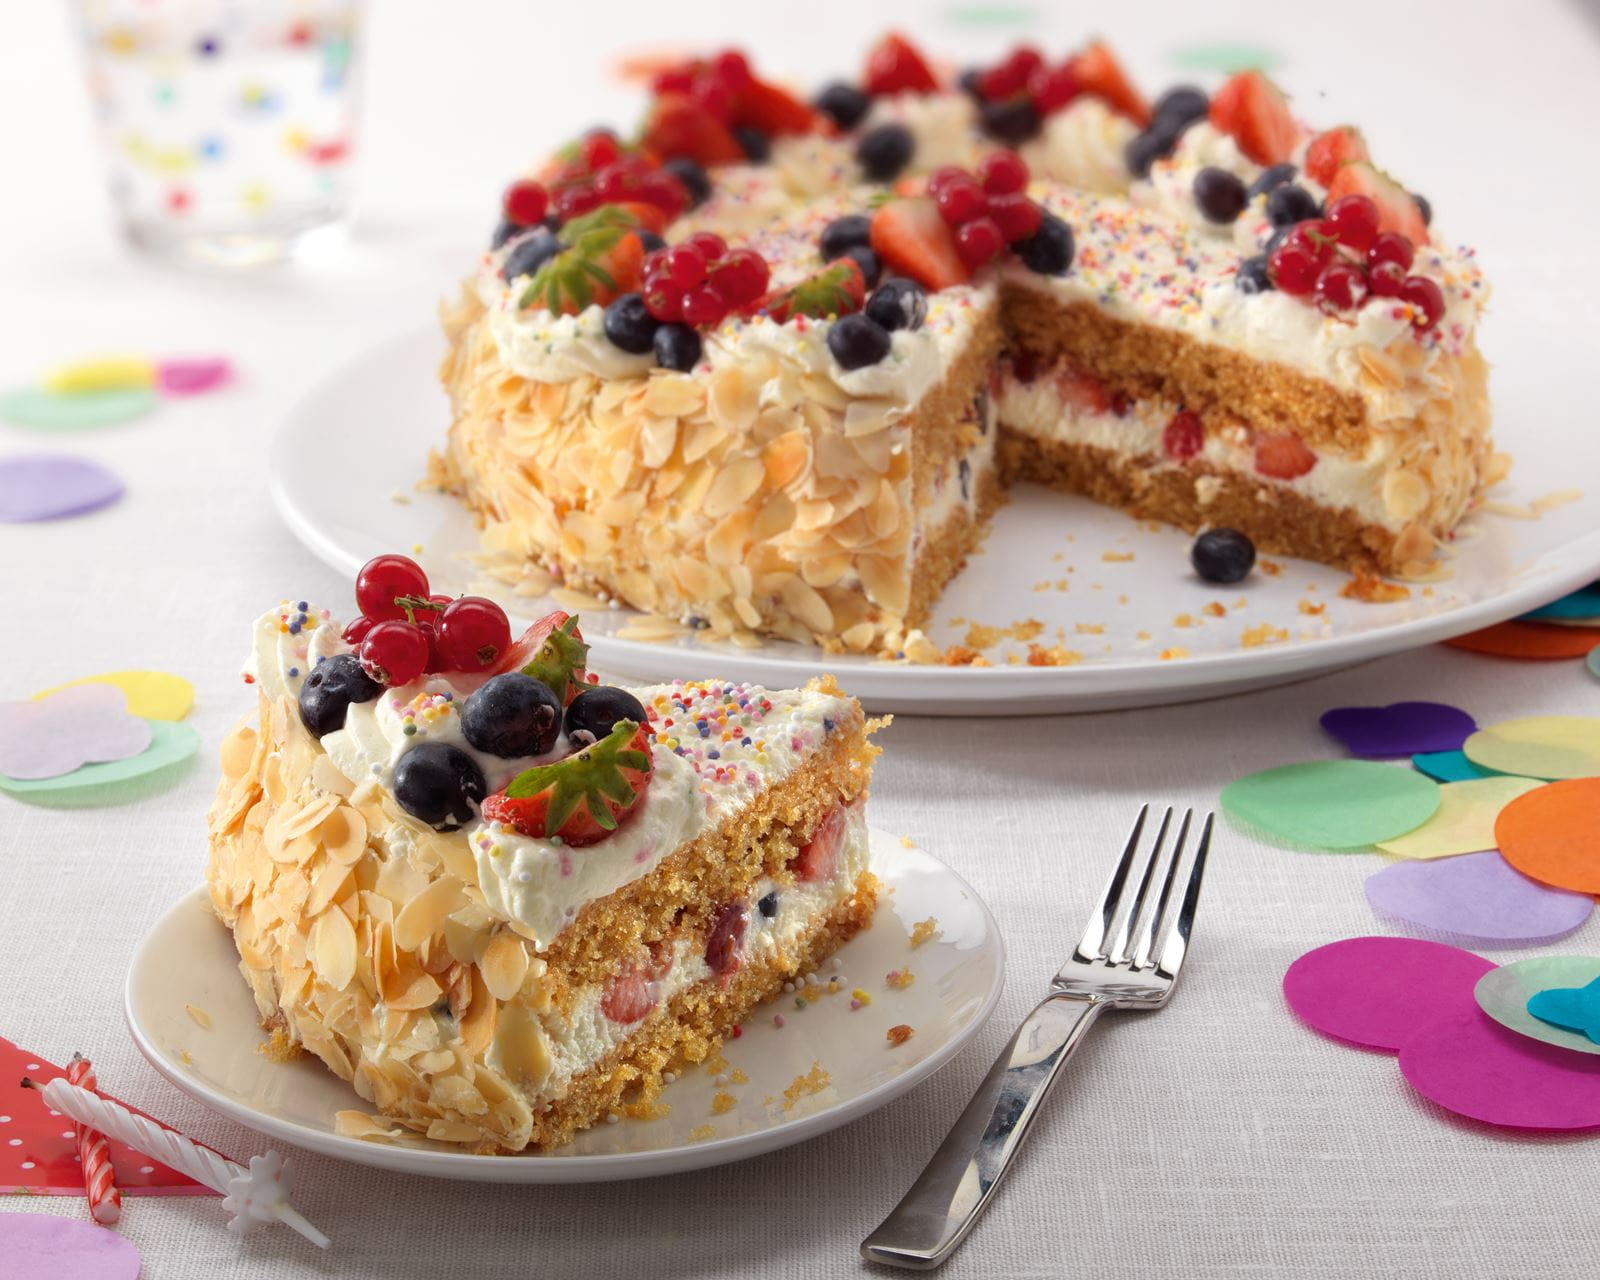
[1529, 640]
[1550, 833]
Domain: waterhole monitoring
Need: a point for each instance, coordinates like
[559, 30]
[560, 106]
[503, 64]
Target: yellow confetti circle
[1465, 820]
[1550, 747]
[155, 695]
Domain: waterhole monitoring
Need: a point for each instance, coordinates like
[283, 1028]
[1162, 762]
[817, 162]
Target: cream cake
[768, 366]
[504, 901]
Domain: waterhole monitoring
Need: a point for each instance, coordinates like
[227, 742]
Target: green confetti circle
[172, 746]
[1226, 57]
[1503, 994]
[34, 407]
[1593, 662]
[1333, 804]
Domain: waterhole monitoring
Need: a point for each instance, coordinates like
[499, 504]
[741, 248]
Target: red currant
[574, 202]
[664, 190]
[1341, 287]
[944, 175]
[704, 306]
[673, 80]
[526, 203]
[1391, 246]
[740, 276]
[1016, 216]
[599, 149]
[616, 181]
[1427, 297]
[733, 69]
[430, 633]
[979, 241]
[1183, 436]
[355, 630]
[682, 267]
[1010, 76]
[960, 202]
[1294, 269]
[394, 653]
[663, 300]
[1051, 88]
[382, 579]
[1386, 279]
[1354, 221]
[709, 243]
[1003, 172]
[473, 633]
[1314, 238]
[713, 95]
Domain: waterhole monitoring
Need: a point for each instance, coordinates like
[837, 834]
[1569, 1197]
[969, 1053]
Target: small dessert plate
[825, 1065]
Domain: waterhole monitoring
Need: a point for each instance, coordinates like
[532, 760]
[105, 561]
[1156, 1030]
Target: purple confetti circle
[1479, 897]
[1401, 729]
[52, 486]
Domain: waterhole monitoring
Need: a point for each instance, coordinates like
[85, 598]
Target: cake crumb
[907, 843]
[701, 1132]
[1266, 633]
[185, 1057]
[651, 1110]
[923, 931]
[812, 1082]
[899, 979]
[716, 1064]
[1116, 557]
[1215, 609]
[898, 1034]
[737, 1076]
[1173, 654]
[1184, 620]
[958, 655]
[201, 1017]
[278, 1047]
[400, 498]
[1054, 656]
[1089, 628]
[723, 1103]
[1240, 603]
[1373, 590]
[1312, 608]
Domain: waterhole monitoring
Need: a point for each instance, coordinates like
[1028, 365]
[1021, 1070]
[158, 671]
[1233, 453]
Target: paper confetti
[42, 1246]
[1504, 994]
[1375, 992]
[1465, 820]
[1402, 729]
[1552, 834]
[1478, 898]
[1528, 640]
[193, 377]
[84, 725]
[171, 748]
[1450, 766]
[1571, 1008]
[102, 373]
[155, 695]
[1539, 747]
[52, 486]
[31, 407]
[1582, 605]
[1333, 804]
[1593, 662]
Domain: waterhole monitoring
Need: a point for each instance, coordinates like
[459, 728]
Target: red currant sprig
[405, 631]
[988, 211]
[1343, 258]
[701, 281]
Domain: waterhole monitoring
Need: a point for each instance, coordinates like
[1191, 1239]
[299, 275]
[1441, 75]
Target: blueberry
[884, 151]
[440, 785]
[595, 712]
[334, 683]
[503, 231]
[629, 325]
[1253, 276]
[768, 906]
[870, 263]
[677, 347]
[529, 254]
[757, 147]
[848, 232]
[1274, 175]
[1425, 208]
[1049, 249]
[1222, 555]
[1183, 104]
[693, 176]
[857, 341]
[898, 303]
[649, 239]
[512, 715]
[971, 83]
[1278, 236]
[1012, 121]
[964, 474]
[1219, 194]
[1290, 203]
[1153, 144]
[843, 103]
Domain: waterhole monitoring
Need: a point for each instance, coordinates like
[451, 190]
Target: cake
[505, 901]
[767, 367]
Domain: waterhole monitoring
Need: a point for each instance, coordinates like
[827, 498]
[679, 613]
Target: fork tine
[1118, 952]
[1146, 936]
[1099, 923]
[1176, 943]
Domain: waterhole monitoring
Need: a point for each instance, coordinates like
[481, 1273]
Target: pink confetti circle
[41, 1246]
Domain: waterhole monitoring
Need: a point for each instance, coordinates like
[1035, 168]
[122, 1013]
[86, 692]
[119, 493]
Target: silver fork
[1128, 958]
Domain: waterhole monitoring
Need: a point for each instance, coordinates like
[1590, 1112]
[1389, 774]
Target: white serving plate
[188, 958]
[344, 467]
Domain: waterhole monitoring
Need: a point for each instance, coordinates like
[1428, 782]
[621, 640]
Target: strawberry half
[1251, 109]
[894, 65]
[582, 798]
[1097, 71]
[837, 290]
[1283, 457]
[820, 855]
[914, 240]
[772, 110]
[1082, 392]
[678, 126]
[1397, 209]
[552, 651]
[1331, 150]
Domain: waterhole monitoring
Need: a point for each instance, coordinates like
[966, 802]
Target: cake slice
[504, 902]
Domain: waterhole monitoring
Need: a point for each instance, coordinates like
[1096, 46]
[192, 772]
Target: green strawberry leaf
[586, 778]
[560, 657]
[827, 293]
[567, 276]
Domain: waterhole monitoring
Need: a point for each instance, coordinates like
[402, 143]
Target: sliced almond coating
[425, 914]
[504, 965]
[333, 949]
[327, 884]
[343, 834]
[309, 817]
[454, 1131]
[238, 752]
[420, 990]
[272, 778]
[477, 1025]
[326, 776]
[368, 1128]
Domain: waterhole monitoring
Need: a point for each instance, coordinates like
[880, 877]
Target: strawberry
[652, 217]
[678, 126]
[1331, 150]
[582, 798]
[772, 110]
[914, 240]
[820, 855]
[552, 651]
[1081, 392]
[837, 290]
[1397, 208]
[632, 993]
[725, 939]
[1097, 71]
[895, 66]
[1283, 457]
[604, 259]
[1253, 110]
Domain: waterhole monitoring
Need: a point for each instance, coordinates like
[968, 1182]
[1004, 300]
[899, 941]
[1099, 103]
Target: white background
[1216, 1138]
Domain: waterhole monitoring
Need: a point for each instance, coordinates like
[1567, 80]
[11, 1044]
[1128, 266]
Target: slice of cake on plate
[501, 899]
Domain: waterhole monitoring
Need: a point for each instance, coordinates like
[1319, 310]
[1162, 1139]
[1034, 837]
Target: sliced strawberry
[914, 240]
[837, 290]
[1255, 113]
[584, 797]
[652, 217]
[894, 65]
[1283, 457]
[629, 996]
[725, 939]
[1097, 71]
[772, 110]
[552, 651]
[820, 855]
[604, 259]
[678, 126]
[1397, 209]
[1081, 392]
[1331, 150]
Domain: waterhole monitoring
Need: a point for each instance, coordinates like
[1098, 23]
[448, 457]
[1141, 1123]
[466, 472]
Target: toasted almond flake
[201, 1017]
[424, 915]
[238, 752]
[344, 835]
[735, 484]
[504, 965]
[309, 818]
[325, 775]
[333, 949]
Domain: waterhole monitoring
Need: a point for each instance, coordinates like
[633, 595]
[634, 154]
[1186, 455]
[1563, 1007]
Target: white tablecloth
[1218, 1138]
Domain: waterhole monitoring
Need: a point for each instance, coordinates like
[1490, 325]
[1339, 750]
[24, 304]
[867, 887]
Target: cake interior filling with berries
[767, 366]
[506, 902]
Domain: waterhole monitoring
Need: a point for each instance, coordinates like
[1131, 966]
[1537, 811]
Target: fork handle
[936, 1214]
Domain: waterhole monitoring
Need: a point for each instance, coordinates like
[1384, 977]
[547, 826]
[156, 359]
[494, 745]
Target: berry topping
[1424, 208]
[739, 276]
[552, 651]
[768, 905]
[355, 631]
[696, 181]
[678, 347]
[1341, 287]
[1010, 76]
[599, 148]
[1153, 144]
[512, 715]
[1272, 177]
[439, 784]
[1386, 279]
[1049, 249]
[895, 66]
[1397, 210]
[1183, 436]
[326, 694]
[843, 103]
[757, 147]
[844, 233]
[837, 290]
[768, 110]
[1293, 268]
[1002, 173]
[1017, 216]
[1220, 194]
[1254, 275]
[1391, 246]
[604, 260]
[819, 855]
[979, 241]
[1289, 203]
[1331, 150]
[871, 265]
[503, 231]
[1282, 456]
[884, 151]
[682, 127]
[913, 240]
[1354, 221]
[583, 797]
[395, 652]
[703, 307]
[1182, 105]
[529, 254]
[1098, 72]
[1251, 109]
[1223, 555]
[594, 713]
[473, 633]
[1011, 121]
[857, 341]
[960, 201]
[725, 939]
[383, 580]
[1426, 297]
[1051, 88]
[525, 203]
[898, 303]
[629, 325]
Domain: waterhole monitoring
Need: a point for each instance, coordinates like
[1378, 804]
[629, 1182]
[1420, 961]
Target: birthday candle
[99, 1178]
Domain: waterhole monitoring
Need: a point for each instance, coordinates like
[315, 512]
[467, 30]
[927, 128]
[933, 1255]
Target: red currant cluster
[600, 172]
[701, 280]
[713, 83]
[404, 632]
[1025, 74]
[989, 211]
[1343, 257]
